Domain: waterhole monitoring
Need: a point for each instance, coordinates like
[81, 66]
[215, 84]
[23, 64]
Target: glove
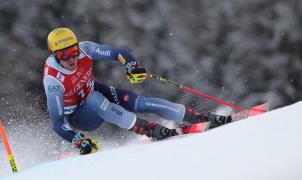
[86, 145]
[89, 146]
[136, 74]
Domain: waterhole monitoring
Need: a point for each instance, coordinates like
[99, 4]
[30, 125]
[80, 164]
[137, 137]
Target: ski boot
[193, 117]
[217, 120]
[153, 130]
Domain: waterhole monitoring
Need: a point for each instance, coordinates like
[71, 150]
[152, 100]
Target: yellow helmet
[61, 38]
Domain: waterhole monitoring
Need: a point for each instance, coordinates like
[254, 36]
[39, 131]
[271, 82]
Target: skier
[75, 99]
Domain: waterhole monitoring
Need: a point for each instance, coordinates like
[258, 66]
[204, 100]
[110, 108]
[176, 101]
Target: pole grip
[7, 148]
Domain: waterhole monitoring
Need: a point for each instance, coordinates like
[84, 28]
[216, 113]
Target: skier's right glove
[86, 145]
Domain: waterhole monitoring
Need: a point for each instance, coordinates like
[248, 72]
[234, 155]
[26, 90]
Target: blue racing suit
[103, 103]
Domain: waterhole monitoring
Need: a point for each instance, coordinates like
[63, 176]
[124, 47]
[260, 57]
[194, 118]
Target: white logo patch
[59, 105]
[102, 52]
[60, 77]
[104, 105]
[66, 127]
[46, 71]
[161, 106]
[70, 109]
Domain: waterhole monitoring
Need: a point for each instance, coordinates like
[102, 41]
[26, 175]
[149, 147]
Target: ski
[260, 109]
[202, 127]
[195, 128]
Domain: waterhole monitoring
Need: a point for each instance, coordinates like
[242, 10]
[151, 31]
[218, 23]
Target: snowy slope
[267, 146]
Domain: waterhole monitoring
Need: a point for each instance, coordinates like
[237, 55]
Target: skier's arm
[101, 52]
[135, 73]
[54, 94]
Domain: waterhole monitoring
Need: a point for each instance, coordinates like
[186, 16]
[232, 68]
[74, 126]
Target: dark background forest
[244, 52]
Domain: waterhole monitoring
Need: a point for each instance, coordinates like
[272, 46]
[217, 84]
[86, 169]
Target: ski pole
[123, 61]
[194, 91]
[8, 150]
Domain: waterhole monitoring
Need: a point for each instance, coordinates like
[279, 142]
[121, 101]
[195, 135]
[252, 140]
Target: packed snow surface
[266, 146]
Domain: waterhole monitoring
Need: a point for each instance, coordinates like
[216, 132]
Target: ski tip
[262, 108]
[256, 110]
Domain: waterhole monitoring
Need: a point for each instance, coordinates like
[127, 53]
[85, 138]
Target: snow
[264, 147]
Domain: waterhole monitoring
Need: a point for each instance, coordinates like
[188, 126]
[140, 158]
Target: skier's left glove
[86, 145]
[136, 74]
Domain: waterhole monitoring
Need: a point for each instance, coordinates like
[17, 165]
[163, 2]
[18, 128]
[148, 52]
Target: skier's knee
[111, 112]
[95, 99]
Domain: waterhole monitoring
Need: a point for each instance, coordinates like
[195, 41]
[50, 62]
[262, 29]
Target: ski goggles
[65, 54]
